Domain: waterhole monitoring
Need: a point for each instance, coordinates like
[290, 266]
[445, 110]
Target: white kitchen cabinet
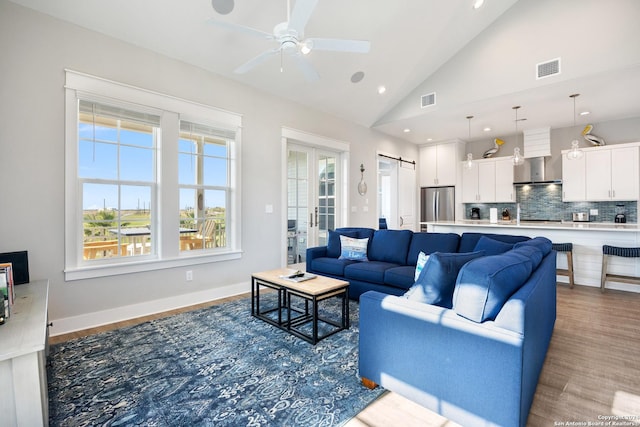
[504, 180]
[479, 182]
[573, 179]
[612, 173]
[438, 164]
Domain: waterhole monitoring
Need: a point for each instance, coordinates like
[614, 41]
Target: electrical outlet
[593, 212]
[189, 275]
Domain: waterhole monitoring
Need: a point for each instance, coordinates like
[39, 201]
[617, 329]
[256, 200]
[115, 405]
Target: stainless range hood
[532, 172]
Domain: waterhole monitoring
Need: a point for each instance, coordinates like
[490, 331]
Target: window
[151, 180]
[117, 178]
[204, 169]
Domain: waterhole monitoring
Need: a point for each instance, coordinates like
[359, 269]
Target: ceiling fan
[289, 38]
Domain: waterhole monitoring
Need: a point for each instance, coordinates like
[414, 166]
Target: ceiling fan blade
[256, 61]
[340, 45]
[241, 28]
[300, 15]
[305, 66]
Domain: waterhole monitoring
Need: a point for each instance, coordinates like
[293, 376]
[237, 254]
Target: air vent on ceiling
[428, 100]
[547, 69]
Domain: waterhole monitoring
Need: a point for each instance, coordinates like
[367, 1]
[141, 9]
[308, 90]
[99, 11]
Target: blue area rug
[217, 366]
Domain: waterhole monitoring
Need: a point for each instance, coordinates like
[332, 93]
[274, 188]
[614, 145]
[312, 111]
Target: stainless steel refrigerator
[437, 204]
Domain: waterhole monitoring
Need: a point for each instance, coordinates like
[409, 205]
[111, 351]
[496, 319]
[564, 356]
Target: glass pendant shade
[469, 162]
[576, 152]
[518, 159]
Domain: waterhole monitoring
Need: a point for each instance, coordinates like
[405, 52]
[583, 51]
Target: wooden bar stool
[608, 251]
[568, 249]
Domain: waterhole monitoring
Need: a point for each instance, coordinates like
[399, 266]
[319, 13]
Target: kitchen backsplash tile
[544, 202]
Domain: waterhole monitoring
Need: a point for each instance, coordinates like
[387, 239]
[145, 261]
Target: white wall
[35, 51]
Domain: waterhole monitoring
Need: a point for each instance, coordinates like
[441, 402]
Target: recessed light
[381, 90]
[487, 129]
[477, 4]
[406, 130]
[429, 139]
[357, 77]
[585, 113]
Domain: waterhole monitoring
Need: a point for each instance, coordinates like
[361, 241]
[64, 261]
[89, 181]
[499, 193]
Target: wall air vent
[548, 69]
[428, 100]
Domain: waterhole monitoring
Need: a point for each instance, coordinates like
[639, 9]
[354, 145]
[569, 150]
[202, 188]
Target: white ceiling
[479, 62]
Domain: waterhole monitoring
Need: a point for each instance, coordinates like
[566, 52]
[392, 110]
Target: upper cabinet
[573, 182]
[504, 180]
[438, 164]
[488, 181]
[603, 174]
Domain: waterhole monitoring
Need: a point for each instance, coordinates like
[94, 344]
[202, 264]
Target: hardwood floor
[592, 367]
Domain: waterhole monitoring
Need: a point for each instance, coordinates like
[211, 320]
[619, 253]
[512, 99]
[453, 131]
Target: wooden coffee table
[291, 317]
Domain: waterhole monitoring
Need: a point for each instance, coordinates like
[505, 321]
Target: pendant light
[468, 164]
[518, 159]
[576, 152]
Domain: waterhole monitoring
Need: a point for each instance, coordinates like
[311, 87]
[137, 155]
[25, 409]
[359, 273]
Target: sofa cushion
[492, 246]
[438, 278]
[532, 253]
[333, 243]
[353, 249]
[485, 284]
[541, 243]
[430, 243]
[468, 241]
[369, 271]
[390, 246]
[331, 266]
[400, 277]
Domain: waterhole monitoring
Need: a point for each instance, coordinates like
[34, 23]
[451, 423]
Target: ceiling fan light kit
[289, 37]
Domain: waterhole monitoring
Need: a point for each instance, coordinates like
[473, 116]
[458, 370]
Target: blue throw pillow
[353, 249]
[541, 243]
[492, 246]
[438, 278]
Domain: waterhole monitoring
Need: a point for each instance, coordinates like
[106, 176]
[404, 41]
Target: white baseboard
[127, 312]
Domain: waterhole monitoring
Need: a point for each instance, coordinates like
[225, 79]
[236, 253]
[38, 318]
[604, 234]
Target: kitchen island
[587, 239]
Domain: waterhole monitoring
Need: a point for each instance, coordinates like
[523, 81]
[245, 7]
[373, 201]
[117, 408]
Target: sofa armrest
[314, 253]
[468, 372]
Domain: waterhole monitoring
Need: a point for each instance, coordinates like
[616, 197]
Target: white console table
[23, 348]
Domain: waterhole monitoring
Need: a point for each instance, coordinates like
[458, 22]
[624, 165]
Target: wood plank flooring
[592, 366]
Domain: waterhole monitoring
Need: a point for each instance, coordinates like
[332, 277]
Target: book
[7, 267]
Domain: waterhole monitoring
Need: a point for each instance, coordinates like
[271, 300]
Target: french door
[313, 183]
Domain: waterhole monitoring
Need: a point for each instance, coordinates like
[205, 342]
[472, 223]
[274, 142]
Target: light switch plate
[593, 212]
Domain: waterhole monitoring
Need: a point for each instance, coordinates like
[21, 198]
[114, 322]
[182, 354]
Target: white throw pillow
[422, 260]
[353, 249]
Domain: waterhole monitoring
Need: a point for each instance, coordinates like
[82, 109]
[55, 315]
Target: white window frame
[171, 109]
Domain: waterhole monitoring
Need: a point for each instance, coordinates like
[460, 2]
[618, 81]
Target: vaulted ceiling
[477, 62]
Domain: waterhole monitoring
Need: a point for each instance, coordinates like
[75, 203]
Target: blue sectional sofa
[392, 256]
[475, 355]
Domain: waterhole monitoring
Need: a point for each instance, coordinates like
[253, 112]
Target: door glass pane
[297, 205]
[326, 196]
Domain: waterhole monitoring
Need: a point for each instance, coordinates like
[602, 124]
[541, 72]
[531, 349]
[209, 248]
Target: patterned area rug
[217, 366]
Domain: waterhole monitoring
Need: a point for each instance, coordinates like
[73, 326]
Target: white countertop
[595, 226]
